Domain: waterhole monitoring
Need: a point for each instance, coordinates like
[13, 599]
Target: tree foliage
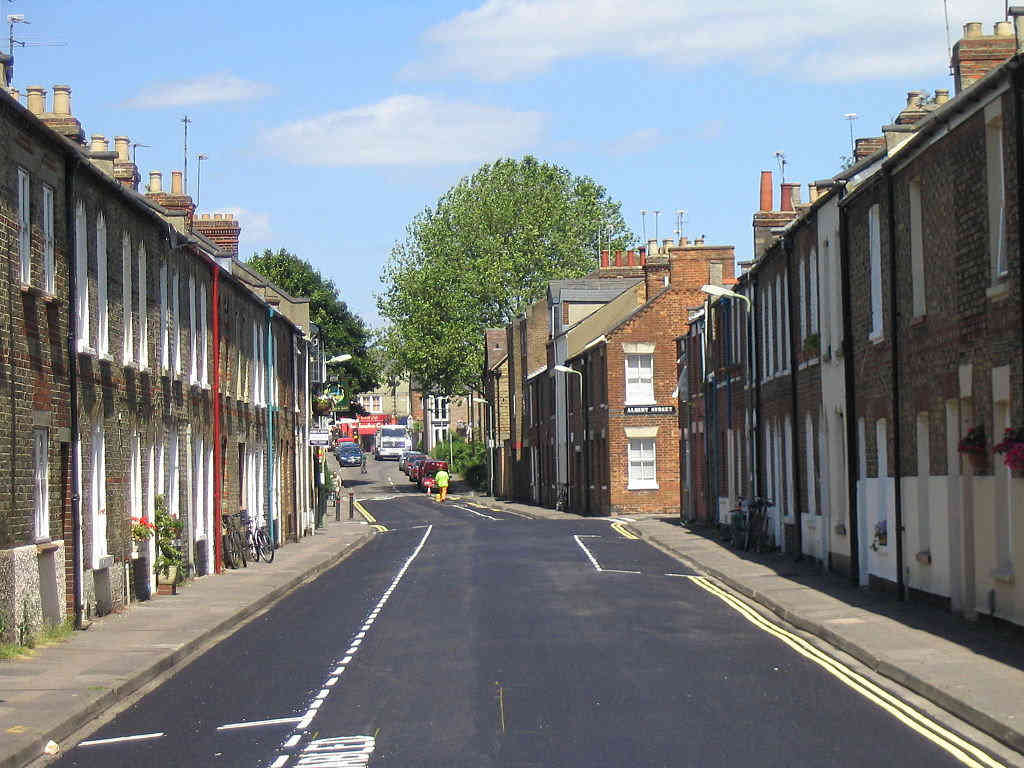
[482, 256]
[343, 331]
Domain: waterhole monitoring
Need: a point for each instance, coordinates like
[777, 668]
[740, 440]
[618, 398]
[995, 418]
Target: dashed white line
[474, 512]
[136, 737]
[332, 681]
[292, 741]
[257, 723]
[613, 570]
[281, 760]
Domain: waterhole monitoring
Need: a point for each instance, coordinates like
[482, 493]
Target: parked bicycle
[750, 525]
[258, 540]
[562, 501]
[235, 546]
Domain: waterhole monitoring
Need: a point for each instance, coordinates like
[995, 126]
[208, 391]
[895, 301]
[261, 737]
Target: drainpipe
[218, 456]
[270, 428]
[897, 432]
[794, 368]
[78, 553]
[852, 446]
[756, 426]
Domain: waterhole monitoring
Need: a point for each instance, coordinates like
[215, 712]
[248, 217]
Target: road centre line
[587, 552]
[280, 761]
[258, 723]
[118, 739]
[474, 512]
[951, 742]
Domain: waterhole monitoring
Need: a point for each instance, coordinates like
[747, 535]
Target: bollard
[337, 508]
[351, 505]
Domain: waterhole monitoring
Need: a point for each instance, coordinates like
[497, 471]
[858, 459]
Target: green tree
[344, 332]
[484, 254]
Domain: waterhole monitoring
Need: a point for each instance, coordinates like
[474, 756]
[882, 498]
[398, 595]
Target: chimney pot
[667, 243]
[767, 191]
[1003, 29]
[36, 95]
[229, 216]
[972, 29]
[652, 248]
[122, 145]
[618, 258]
[98, 143]
[786, 204]
[176, 186]
[155, 178]
[62, 99]
[218, 216]
[941, 95]
[604, 259]
[914, 98]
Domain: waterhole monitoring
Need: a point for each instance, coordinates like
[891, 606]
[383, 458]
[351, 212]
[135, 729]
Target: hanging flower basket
[1012, 449]
[323, 406]
[973, 446]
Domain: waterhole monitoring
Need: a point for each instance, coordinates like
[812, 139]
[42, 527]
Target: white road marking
[137, 737]
[292, 741]
[326, 690]
[281, 760]
[473, 511]
[345, 752]
[587, 552]
[612, 570]
[680, 575]
[258, 723]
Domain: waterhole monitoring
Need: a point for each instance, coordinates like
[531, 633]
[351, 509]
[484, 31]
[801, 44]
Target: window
[193, 376]
[24, 226]
[99, 495]
[41, 481]
[639, 379]
[916, 249]
[996, 188]
[812, 269]
[48, 269]
[255, 357]
[81, 280]
[135, 478]
[875, 268]
[784, 350]
[102, 308]
[372, 403]
[801, 304]
[175, 322]
[165, 352]
[642, 467]
[143, 311]
[128, 348]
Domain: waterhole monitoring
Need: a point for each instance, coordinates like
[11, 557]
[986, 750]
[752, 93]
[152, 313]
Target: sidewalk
[974, 670]
[59, 689]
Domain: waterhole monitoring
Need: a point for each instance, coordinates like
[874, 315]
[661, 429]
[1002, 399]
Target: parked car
[415, 468]
[430, 468]
[349, 455]
[407, 458]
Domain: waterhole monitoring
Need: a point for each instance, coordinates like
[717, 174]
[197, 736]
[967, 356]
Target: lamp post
[721, 292]
[586, 459]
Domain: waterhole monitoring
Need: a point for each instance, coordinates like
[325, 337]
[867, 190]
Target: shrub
[464, 455]
[476, 476]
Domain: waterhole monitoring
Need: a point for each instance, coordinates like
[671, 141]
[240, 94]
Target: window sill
[998, 290]
[1004, 575]
[87, 351]
[918, 320]
[130, 365]
[638, 402]
[106, 357]
[34, 291]
[644, 486]
[876, 338]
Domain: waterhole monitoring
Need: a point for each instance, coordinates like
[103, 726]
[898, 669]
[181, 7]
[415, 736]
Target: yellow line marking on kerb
[362, 511]
[379, 527]
[962, 750]
[620, 529]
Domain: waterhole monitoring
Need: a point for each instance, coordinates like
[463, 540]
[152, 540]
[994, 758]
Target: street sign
[319, 437]
[645, 409]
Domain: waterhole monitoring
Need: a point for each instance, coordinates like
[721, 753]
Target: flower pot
[140, 576]
[977, 460]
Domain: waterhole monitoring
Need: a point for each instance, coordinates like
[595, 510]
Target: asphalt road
[465, 636]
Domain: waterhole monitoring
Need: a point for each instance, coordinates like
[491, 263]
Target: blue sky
[330, 124]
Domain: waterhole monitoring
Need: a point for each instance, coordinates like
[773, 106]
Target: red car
[415, 468]
[427, 472]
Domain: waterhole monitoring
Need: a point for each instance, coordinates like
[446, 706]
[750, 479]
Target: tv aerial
[19, 18]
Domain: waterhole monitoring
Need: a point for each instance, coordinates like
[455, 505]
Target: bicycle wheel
[230, 556]
[266, 547]
[254, 546]
[241, 546]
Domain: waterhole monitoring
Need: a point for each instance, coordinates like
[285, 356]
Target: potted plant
[142, 531]
[880, 537]
[812, 346]
[323, 405]
[1012, 448]
[973, 446]
[169, 558]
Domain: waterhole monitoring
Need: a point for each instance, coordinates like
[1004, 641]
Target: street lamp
[339, 359]
[717, 290]
[586, 459]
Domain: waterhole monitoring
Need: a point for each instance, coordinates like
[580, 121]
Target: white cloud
[642, 140]
[407, 130]
[214, 88]
[830, 40]
[255, 226]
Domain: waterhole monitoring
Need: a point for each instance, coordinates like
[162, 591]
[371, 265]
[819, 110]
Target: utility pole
[186, 121]
[199, 175]
[851, 117]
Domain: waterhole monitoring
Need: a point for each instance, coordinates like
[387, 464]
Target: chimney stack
[224, 231]
[125, 171]
[867, 147]
[60, 118]
[941, 95]
[767, 191]
[98, 143]
[62, 100]
[36, 96]
[977, 54]
[123, 146]
[155, 182]
[6, 70]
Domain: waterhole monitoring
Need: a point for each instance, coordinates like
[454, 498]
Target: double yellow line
[370, 518]
[962, 750]
[622, 530]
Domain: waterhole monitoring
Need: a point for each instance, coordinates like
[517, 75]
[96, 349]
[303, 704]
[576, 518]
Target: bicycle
[258, 540]
[739, 524]
[762, 525]
[562, 502]
[234, 544]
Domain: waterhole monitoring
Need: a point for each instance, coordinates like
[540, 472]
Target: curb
[1003, 733]
[221, 631]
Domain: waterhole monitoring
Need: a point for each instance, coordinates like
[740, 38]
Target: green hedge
[464, 455]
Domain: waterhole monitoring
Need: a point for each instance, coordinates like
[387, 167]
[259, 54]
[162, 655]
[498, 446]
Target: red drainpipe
[218, 469]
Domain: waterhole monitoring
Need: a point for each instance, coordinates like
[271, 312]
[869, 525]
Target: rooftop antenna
[136, 145]
[19, 18]
[199, 174]
[656, 215]
[949, 46]
[851, 117]
[643, 219]
[186, 120]
[680, 221]
[780, 158]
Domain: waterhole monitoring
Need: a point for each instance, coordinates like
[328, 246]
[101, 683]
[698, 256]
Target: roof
[589, 289]
[596, 324]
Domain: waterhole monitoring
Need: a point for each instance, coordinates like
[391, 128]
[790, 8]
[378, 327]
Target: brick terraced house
[137, 367]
